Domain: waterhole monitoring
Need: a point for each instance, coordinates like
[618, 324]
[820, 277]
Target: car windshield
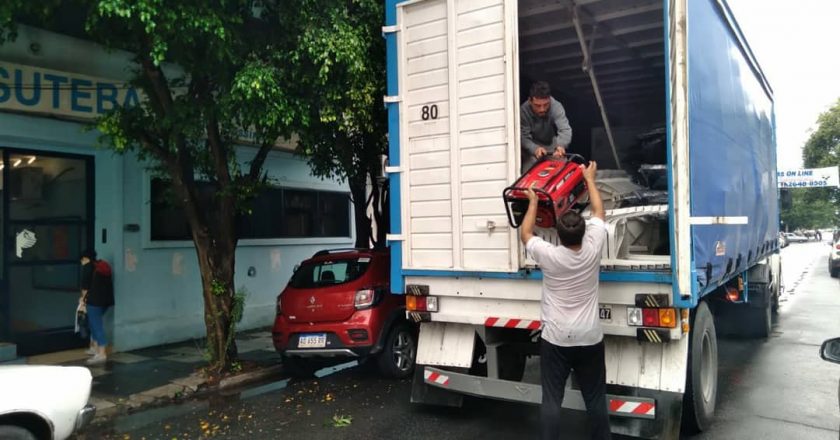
[328, 273]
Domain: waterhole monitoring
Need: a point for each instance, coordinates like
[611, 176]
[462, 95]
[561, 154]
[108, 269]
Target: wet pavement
[773, 389]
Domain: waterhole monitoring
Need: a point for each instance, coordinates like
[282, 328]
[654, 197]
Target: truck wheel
[759, 320]
[398, 354]
[702, 379]
[11, 432]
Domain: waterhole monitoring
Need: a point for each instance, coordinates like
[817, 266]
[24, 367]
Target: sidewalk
[142, 377]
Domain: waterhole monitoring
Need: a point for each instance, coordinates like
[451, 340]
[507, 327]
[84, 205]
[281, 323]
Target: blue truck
[669, 99]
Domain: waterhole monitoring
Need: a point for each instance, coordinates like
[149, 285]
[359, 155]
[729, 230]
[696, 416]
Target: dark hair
[90, 254]
[570, 229]
[540, 89]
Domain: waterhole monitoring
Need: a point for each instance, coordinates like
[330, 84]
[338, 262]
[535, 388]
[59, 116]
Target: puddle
[147, 417]
[263, 389]
[323, 372]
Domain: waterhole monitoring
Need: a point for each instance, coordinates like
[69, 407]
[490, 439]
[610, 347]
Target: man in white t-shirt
[572, 338]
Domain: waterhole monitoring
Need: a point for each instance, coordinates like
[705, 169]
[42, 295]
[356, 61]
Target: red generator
[559, 184]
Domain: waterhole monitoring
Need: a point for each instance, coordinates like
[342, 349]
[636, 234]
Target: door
[47, 219]
[457, 125]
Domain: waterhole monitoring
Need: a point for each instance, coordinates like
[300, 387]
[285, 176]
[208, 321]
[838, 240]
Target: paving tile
[58, 357]
[255, 335]
[185, 349]
[127, 379]
[261, 355]
[254, 344]
[128, 358]
[97, 371]
[188, 358]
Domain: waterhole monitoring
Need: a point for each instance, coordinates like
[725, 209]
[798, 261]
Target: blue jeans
[97, 326]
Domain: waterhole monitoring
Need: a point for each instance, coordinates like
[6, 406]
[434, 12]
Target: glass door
[48, 223]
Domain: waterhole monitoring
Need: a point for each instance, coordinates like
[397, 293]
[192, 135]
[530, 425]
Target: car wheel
[702, 379]
[398, 355]
[9, 432]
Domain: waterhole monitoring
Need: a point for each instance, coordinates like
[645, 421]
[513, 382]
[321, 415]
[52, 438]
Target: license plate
[318, 340]
[605, 312]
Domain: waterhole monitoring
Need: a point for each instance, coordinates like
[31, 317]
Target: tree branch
[259, 161]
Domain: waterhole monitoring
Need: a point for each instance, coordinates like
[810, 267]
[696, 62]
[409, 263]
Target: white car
[795, 237]
[43, 402]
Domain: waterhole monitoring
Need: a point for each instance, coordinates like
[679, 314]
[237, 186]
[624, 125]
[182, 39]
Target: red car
[339, 304]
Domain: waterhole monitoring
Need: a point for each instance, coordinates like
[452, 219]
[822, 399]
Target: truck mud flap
[624, 406]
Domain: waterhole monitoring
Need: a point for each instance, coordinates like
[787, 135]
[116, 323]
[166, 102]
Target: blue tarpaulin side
[732, 146]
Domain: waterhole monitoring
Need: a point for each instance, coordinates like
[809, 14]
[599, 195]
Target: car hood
[53, 392]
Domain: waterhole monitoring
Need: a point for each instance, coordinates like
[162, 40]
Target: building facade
[63, 192]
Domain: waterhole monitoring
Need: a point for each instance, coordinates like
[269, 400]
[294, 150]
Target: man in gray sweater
[544, 127]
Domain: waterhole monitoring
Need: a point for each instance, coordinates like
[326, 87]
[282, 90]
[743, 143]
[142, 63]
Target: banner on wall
[67, 95]
[809, 178]
[52, 92]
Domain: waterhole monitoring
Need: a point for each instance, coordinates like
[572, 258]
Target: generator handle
[506, 191]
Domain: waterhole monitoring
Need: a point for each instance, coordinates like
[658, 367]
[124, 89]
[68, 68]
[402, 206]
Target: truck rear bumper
[623, 406]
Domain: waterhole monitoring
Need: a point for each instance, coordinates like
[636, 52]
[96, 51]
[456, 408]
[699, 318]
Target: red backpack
[102, 268]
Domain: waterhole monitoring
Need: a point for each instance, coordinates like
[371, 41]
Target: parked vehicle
[339, 304]
[834, 259]
[795, 237]
[830, 351]
[687, 169]
[43, 402]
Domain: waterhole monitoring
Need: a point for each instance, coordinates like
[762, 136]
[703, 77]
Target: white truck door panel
[457, 119]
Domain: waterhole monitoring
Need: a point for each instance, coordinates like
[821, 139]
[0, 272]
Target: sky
[798, 47]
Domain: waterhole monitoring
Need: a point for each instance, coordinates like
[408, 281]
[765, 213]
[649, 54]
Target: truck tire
[399, 352]
[701, 381]
[759, 320]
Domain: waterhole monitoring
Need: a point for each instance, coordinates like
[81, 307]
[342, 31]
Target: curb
[188, 386]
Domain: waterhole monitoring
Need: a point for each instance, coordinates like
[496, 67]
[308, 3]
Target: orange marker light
[667, 318]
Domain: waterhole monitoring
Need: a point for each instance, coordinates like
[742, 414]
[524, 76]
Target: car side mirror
[830, 350]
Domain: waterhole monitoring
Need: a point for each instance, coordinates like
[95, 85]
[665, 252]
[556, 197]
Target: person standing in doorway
[98, 296]
[543, 125]
[572, 338]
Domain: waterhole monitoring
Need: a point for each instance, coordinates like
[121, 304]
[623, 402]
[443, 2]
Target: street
[768, 389]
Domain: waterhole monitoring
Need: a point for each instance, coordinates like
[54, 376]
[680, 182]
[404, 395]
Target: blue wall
[157, 284]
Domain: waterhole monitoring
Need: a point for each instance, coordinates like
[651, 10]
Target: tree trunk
[358, 191]
[216, 259]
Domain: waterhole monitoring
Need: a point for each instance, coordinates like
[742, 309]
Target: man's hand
[540, 152]
[596, 205]
[532, 196]
[589, 171]
[559, 151]
[526, 229]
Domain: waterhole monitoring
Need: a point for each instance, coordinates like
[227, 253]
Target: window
[275, 213]
[328, 273]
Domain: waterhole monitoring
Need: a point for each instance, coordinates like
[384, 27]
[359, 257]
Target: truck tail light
[837, 246]
[421, 303]
[365, 298]
[652, 317]
[732, 294]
